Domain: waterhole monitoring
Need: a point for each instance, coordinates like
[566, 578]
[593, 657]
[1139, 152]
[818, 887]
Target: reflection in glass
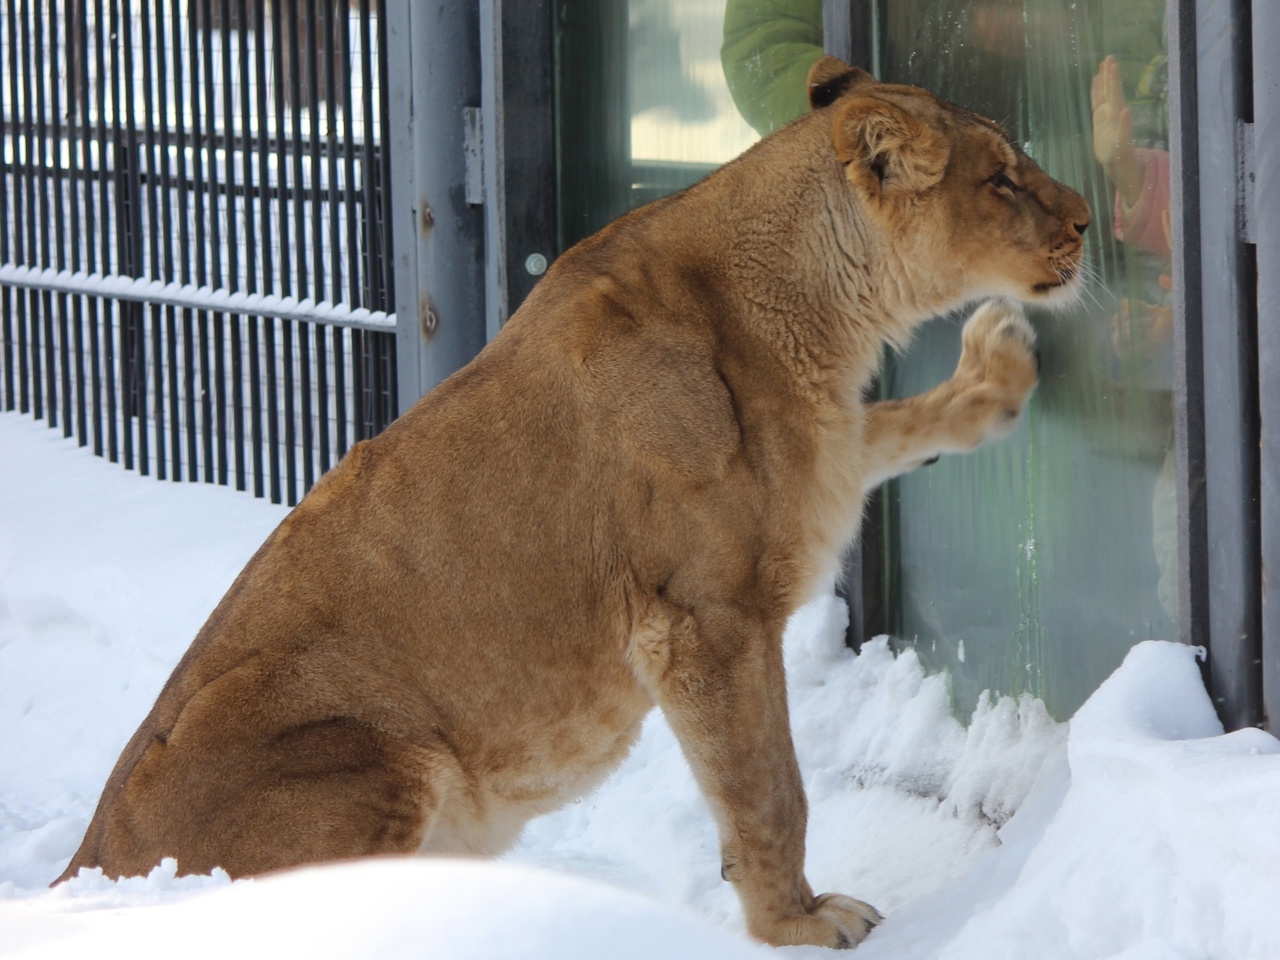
[643, 105]
[1035, 564]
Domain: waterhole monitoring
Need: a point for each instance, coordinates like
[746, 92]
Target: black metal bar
[24, 364]
[152, 237]
[93, 318]
[121, 213]
[308, 424]
[363, 358]
[390, 391]
[31, 355]
[314, 135]
[351, 200]
[130, 216]
[36, 68]
[340, 391]
[51, 62]
[268, 274]
[166, 241]
[6, 327]
[232, 277]
[359, 358]
[317, 247]
[183, 60]
[246, 147]
[332, 210]
[300, 224]
[157, 387]
[6, 294]
[201, 94]
[384, 163]
[250, 242]
[282, 168]
[225, 173]
[13, 302]
[350, 195]
[219, 382]
[81, 202]
[369, 160]
[286, 266]
[106, 163]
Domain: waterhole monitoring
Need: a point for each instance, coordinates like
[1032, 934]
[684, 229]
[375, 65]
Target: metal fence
[195, 264]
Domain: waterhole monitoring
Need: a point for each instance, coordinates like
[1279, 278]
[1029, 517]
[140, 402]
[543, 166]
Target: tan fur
[617, 504]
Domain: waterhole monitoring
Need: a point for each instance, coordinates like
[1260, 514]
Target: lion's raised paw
[998, 369]
[998, 331]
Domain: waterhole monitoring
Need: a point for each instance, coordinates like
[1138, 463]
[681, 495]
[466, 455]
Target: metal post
[1188, 341]
[848, 32]
[433, 73]
[1265, 217]
[519, 176]
[1230, 369]
[494, 164]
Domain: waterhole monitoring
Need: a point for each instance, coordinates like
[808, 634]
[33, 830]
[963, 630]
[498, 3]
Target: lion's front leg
[717, 675]
[981, 401]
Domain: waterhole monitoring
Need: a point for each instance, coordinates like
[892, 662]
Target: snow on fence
[195, 262]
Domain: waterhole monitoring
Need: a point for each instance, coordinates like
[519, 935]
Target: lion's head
[951, 188]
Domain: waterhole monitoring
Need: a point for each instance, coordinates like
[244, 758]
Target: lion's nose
[1082, 216]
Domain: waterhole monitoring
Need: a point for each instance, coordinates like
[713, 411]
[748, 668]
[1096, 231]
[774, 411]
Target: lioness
[617, 504]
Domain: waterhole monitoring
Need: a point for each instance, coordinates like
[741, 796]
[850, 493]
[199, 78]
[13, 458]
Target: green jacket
[769, 46]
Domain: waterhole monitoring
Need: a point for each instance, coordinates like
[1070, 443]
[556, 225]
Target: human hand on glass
[1113, 132]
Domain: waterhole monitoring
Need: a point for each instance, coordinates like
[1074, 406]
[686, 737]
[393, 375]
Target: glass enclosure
[1034, 564]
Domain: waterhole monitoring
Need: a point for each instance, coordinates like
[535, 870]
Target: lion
[615, 506]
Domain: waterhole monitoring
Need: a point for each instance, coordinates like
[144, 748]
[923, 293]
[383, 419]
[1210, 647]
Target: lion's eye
[1000, 180]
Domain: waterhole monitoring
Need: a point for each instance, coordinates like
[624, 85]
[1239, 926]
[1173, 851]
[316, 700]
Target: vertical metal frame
[848, 32]
[433, 74]
[518, 127]
[1213, 48]
[1188, 341]
[1265, 217]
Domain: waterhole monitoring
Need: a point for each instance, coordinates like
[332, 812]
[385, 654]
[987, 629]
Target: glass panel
[1034, 564]
[654, 94]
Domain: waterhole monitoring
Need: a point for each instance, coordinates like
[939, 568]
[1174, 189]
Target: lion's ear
[830, 78]
[887, 153]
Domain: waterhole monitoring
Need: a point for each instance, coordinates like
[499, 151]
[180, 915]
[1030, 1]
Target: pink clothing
[1141, 225]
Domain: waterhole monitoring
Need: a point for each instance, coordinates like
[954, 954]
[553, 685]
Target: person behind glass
[1140, 177]
[769, 46]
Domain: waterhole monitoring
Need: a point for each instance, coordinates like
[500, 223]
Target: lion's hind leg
[342, 789]
[330, 789]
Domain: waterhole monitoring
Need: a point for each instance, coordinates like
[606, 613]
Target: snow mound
[391, 909]
[1162, 843]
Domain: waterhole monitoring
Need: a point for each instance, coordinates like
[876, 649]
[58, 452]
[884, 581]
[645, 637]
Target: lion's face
[952, 191]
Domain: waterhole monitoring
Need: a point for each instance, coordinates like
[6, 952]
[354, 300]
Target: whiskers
[1077, 283]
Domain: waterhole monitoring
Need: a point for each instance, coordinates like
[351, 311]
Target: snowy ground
[1141, 833]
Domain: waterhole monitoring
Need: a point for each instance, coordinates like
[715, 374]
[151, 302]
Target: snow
[193, 297]
[1139, 831]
